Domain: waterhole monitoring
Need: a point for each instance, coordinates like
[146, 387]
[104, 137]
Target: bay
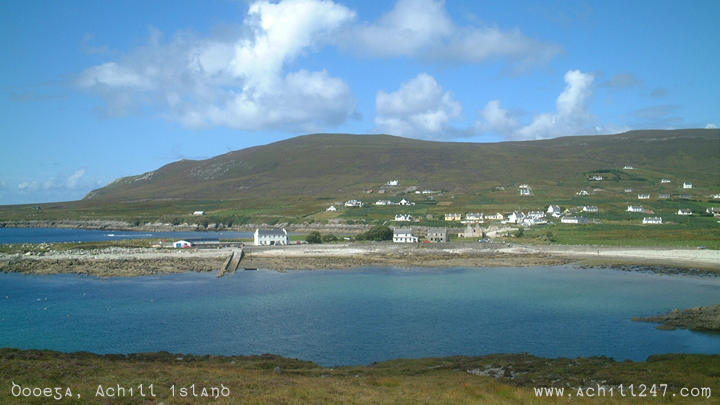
[339, 317]
[58, 235]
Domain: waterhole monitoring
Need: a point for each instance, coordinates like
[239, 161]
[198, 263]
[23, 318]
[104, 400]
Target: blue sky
[91, 91]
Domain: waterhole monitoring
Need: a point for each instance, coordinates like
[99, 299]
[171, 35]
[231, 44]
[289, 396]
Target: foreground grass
[271, 379]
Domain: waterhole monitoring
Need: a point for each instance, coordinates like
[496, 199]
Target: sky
[91, 91]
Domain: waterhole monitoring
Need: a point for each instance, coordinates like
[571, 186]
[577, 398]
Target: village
[409, 227]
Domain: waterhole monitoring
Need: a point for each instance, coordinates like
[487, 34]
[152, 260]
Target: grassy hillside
[267, 379]
[342, 166]
[295, 180]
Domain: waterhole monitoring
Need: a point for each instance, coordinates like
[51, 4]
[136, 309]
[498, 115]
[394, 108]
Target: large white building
[270, 237]
[652, 220]
[404, 235]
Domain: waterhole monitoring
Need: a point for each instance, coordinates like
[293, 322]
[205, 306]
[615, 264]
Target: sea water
[53, 235]
[339, 317]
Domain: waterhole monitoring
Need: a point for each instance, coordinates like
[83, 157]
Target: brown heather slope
[341, 165]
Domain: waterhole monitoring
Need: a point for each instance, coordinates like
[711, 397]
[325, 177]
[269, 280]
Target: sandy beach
[118, 261]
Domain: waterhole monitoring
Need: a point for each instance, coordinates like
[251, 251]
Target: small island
[701, 319]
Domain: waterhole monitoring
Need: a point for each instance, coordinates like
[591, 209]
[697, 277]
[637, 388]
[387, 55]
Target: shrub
[314, 237]
[378, 232]
[329, 238]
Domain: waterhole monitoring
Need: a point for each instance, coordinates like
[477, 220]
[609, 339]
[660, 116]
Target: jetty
[232, 262]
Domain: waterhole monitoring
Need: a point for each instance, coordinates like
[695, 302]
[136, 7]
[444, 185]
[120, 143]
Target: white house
[392, 183]
[515, 217]
[684, 212]
[406, 202]
[403, 217]
[596, 177]
[652, 220]
[182, 244]
[628, 190]
[354, 204]
[404, 235]
[687, 185]
[582, 193]
[382, 202]
[628, 167]
[497, 216]
[453, 217]
[714, 211]
[635, 208]
[536, 214]
[573, 220]
[663, 181]
[270, 237]
[590, 208]
[198, 213]
[643, 196]
[716, 196]
[554, 210]
[525, 190]
[530, 221]
[331, 208]
[474, 217]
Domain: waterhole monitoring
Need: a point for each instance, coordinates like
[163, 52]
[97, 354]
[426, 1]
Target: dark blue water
[51, 235]
[357, 316]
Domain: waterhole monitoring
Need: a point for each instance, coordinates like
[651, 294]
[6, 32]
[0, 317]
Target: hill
[341, 166]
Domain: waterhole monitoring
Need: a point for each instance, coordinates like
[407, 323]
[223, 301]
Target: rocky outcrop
[696, 319]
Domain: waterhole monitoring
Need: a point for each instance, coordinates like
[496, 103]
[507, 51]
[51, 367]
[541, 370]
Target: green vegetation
[294, 181]
[269, 379]
[669, 235]
[376, 233]
[313, 237]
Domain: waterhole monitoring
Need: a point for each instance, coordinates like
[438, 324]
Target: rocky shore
[696, 319]
[167, 227]
[124, 261]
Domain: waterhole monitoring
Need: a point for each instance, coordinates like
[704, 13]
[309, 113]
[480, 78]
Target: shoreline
[123, 262]
[112, 225]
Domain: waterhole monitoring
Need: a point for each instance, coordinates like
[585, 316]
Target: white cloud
[75, 178]
[423, 29]
[419, 108]
[237, 81]
[710, 126]
[571, 118]
[74, 181]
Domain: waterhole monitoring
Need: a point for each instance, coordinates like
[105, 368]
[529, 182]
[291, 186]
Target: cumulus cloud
[419, 108]
[423, 29]
[571, 117]
[239, 80]
[710, 126]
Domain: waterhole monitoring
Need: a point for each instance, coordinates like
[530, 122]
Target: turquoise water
[357, 316]
[52, 235]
